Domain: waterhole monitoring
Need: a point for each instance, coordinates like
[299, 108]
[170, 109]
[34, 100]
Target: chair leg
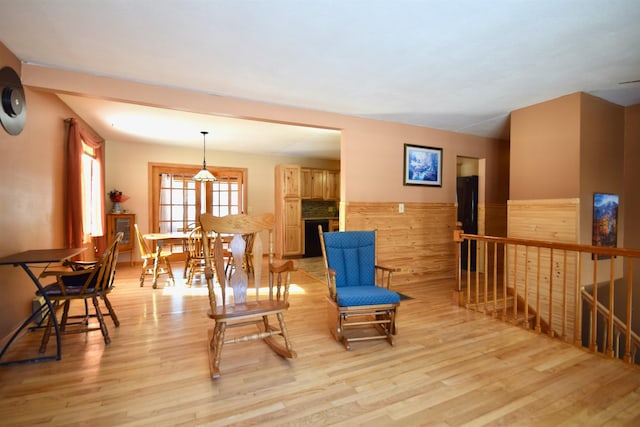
[285, 334]
[103, 326]
[112, 312]
[65, 315]
[154, 282]
[144, 271]
[215, 348]
[168, 266]
[47, 330]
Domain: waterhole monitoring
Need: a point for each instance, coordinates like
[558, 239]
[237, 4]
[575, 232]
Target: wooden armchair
[94, 283]
[359, 295]
[154, 263]
[244, 311]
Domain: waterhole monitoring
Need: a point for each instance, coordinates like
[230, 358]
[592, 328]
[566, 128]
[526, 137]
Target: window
[178, 201]
[91, 195]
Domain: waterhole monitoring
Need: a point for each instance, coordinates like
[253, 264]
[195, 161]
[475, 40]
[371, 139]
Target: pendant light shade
[204, 175]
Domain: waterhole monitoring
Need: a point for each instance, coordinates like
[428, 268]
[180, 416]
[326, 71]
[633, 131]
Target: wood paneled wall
[551, 220]
[419, 241]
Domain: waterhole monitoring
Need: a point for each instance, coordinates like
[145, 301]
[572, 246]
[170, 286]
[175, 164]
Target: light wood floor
[450, 367]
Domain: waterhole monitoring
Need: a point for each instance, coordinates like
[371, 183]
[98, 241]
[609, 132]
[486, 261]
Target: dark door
[467, 190]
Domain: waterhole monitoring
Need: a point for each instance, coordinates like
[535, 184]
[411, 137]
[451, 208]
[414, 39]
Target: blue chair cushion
[365, 295]
[352, 255]
[73, 284]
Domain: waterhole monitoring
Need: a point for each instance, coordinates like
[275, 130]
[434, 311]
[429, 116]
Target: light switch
[401, 207]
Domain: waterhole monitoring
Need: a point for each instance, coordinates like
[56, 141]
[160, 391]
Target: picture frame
[422, 165]
[605, 221]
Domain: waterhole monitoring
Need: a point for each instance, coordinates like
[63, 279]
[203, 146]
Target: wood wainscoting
[418, 240]
[553, 220]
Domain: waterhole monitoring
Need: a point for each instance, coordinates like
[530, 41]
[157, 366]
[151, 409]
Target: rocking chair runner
[252, 311]
[359, 295]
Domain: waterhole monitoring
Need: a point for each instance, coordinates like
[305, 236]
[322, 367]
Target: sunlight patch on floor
[202, 290]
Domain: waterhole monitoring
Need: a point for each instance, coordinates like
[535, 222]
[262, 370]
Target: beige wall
[127, 170]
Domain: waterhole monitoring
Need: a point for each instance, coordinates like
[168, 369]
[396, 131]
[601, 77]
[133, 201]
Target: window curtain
[165, 202]
[75, 225]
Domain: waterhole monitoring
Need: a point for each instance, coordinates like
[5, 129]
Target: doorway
[467, 189]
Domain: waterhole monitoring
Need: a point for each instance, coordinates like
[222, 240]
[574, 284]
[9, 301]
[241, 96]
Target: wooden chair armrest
[282, 267]
[383, 276]
[331, 282]
[389, 269]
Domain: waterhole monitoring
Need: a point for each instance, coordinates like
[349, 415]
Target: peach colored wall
[31, 164]
[545, 150]
[32, 193]
[601, 159]
[632, 176]
[630, 196]
[371, 152]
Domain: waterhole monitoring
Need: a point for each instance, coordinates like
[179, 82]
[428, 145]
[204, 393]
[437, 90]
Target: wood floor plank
[449, 367]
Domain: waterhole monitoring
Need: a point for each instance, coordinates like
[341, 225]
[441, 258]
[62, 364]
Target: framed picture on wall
[605, 221]
[422, 165]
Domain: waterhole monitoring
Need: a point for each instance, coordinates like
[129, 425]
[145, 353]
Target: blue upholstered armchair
[359, 295]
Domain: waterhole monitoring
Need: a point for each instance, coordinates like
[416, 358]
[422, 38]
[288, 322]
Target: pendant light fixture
[204, 175]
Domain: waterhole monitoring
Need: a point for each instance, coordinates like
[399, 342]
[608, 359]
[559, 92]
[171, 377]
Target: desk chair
[93, 283]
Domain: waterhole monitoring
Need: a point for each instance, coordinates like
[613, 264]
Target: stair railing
[546, 286]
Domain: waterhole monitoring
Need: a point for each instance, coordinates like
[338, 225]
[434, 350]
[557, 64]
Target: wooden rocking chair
[244, 311]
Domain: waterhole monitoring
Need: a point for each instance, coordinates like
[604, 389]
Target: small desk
[24, 259]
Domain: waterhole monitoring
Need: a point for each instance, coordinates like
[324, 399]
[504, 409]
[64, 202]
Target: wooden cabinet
[288, 207]
[331, 190]
[292, 227]
[290, 180]
[317, 183]
[305, 183]
[124, 223]
[320, 184]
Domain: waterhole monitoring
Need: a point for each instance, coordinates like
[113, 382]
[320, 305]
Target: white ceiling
[459, 65]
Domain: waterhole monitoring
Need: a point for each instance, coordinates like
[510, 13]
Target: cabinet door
[292, 227]
[291, 184]
[317, 184]
[124, 223]
[332, 185]
[305, 183]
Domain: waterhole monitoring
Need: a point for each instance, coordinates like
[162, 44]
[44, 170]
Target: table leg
[54, 319]
[155, 265]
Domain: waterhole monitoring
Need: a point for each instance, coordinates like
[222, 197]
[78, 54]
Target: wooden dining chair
[93, 283]
[359, 289]
[195, 254]
[229, 311]
[154, 263]
[185, 248]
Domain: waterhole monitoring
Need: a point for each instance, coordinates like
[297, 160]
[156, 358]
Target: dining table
[28, 260]
[160, 239]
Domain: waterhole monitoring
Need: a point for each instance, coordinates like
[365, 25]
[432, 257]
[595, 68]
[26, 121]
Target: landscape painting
[605, 221]
[422, 165]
